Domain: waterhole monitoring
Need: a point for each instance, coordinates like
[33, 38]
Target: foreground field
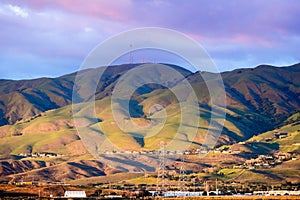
[57, 191]
[242, 197]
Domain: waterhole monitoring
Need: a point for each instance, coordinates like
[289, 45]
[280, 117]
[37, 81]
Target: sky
[50, 38]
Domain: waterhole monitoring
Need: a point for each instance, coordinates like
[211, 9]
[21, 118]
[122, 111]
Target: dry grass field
[240, 198]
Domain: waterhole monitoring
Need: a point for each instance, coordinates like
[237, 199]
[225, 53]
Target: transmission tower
[161, 172]
[182, 175]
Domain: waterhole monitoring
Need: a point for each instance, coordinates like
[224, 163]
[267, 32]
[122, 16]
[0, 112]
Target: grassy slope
[246, 98]
[54, 130]
[51, 132]
[287, 171]
[285, 144]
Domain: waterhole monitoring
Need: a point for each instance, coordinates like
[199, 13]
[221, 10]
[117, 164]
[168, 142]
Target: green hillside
[256, 102]
[291, 143]
[37, 117]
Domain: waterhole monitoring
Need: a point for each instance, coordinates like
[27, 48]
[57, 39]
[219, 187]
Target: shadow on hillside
[93, 171]
[127, 164]
[135, 109]
[259, 148]
[248, 124]
[268, 174]
[138, 138]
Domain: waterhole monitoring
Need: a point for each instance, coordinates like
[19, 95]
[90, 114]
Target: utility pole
[217, 191]
[182, 175]
[207, 188]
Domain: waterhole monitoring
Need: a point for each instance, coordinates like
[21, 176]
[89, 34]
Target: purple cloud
[59, 34]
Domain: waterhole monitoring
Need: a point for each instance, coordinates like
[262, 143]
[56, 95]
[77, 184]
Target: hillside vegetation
[36, 116]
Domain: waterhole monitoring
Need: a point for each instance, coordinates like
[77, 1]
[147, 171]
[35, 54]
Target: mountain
[268, 90]
[262, 97]
[27, 98]
[265, 89]
[36, 115]
[265, 94]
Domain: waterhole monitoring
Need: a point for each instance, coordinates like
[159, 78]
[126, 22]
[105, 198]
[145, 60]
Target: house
[281, 135]
[75, 194]
[269, 157]
[226, 151]
[24, 183]
[268, 139]
[266, 165]
[217, 151]
[235, 152]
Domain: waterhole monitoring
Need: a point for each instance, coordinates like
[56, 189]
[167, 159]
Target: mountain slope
[26, 98]
[256, 102]
[261, 98]
[37, 117]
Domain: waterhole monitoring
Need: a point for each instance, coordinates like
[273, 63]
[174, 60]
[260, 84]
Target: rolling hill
[258, 100]
[36, 115]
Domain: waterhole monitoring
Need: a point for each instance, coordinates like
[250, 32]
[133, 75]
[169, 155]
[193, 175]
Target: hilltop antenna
[161, 172]
[130, 55]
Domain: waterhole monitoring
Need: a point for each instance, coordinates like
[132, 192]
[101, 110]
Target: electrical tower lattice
[161, 172]
[182, 175]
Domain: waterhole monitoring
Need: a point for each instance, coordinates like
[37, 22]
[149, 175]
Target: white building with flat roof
[75, 194]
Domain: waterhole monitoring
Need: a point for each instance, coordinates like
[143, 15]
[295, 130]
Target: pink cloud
[114, 10]
[60, 29]
[251, 40]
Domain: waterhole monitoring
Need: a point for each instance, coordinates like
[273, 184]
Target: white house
[75, 194]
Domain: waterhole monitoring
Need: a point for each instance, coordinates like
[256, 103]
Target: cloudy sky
[52, 37]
